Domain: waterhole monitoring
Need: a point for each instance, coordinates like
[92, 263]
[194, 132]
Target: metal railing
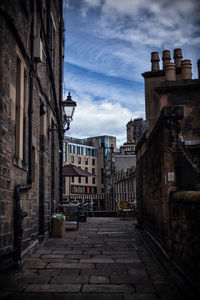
[100, 202]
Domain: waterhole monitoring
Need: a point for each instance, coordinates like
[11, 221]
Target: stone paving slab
[63, 296]
[103, 260]
[109, 288]
[71, 288]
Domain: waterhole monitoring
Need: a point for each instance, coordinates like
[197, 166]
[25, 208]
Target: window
[79, 160]
[64, 152]
[78, 150]
[52, 35]
[21, 110]
[89, 152]
[72, 178]
[86, 161]
[93, 162]
[86, 179]
[93, 152]
[102, 176]
[64, 186]
[33, 164]
[93, 180]
[79, 179]
[72, 159]
[93, 171]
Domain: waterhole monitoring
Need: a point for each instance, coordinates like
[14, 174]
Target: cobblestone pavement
[104, 259]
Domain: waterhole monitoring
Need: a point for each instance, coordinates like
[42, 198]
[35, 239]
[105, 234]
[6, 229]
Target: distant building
[129, 146]
[168, 161]
[88, 154]
[31, 58]
[125, 177]
[121, 165]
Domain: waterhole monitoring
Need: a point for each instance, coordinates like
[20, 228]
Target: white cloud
[115, 38]
[104, 118]
[89, 86]
[138, 27]
[153, 23]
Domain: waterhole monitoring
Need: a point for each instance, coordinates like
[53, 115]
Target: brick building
[168, 162]
[31, 58]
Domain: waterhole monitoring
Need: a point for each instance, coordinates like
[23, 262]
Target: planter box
[58, 228]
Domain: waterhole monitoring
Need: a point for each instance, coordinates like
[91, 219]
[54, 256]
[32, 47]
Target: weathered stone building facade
[168, 161]
[31, 58]
[121, 165]
[125, 163]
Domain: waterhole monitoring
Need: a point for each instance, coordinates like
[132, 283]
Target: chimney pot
[178, 57]
[186, 71]
[155, 61]
[170, 71]
[166, 58]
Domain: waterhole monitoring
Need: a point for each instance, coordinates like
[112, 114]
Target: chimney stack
[166, 58]
[178, 57]
[186, 69]
[198, 67]
[170, 71]
[155, 61]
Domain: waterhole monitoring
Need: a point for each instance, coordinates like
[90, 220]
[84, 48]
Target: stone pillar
[170, 72]
[166, 58]
[178, 57]
[198, 67]
[155, 61]
[186, 69]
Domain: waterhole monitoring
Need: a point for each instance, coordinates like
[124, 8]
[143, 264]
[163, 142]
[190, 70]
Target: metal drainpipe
[57, 110]
[18, 214]
[60, 99]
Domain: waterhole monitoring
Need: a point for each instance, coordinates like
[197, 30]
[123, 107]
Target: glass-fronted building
[88, 154]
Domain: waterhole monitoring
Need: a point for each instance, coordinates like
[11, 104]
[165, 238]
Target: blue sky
[108, 44]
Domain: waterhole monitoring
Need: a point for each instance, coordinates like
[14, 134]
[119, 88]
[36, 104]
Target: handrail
[101, 202]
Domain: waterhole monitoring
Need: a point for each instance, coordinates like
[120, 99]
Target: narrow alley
[104, 259]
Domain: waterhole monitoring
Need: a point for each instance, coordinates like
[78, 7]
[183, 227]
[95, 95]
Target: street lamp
[69, 107]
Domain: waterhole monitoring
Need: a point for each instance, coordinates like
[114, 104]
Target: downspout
[60, 99]
[57, 110]
[18, 214]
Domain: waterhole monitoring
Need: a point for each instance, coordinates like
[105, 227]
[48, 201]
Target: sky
[108, 45]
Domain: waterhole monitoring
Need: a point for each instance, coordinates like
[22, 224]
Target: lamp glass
[69, 110]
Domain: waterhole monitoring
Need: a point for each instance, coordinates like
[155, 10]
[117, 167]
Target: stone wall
[155, 160]
[169, 215]
[29, 182]
[184, 231]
